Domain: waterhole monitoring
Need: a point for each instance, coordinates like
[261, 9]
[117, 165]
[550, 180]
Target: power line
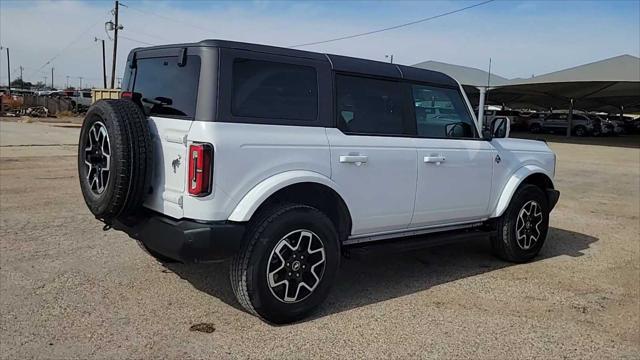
[394, 27]
[134, 40]
[185, 23]
[64, 48]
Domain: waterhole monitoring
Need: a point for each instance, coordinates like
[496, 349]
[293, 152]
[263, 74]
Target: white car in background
[79, 98]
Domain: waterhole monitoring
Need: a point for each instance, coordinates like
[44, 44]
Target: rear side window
[272, 90]
[166, 89]
[442, 113]
[370, 106]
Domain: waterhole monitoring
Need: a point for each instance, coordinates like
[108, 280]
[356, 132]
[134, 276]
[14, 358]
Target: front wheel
[535, 128]
[288, 263]
[523, 227]
[580, 131]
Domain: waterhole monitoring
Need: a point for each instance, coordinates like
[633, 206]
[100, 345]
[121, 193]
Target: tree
[19, 83]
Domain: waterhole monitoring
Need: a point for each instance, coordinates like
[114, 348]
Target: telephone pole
[390, 57]
[8, 73]
[67, 81]
[104, 63]
[115, 44]
[52, 78]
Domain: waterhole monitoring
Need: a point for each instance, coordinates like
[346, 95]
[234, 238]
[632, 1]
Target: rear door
[372, 159]
[167, 90]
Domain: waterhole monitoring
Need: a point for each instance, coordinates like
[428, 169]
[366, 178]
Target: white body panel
[519, 159]
[170, 165]
[247, 154]
[384, 181]
[457, 188]
[381, 189]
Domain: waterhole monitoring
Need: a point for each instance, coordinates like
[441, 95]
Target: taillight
[200, 169]
[126, 95]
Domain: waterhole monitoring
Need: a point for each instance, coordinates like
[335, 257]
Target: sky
[523, 38]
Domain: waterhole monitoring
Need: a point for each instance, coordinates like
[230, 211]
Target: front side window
[370, 106]
[166, 89]
[442, 113]
[272, 90]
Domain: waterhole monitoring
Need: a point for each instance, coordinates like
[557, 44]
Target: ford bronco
[282, 159]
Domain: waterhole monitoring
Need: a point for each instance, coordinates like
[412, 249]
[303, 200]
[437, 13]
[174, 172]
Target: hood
[511, 144]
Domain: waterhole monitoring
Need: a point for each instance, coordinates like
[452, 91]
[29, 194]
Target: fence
[54, 104]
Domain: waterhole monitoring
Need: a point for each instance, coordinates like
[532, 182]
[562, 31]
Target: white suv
[283, 159]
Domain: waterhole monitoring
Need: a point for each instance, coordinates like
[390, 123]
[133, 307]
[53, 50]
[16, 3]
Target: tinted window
[559, 116]
[272, 90]
[442, 113]
[370, 106]
[166, 89]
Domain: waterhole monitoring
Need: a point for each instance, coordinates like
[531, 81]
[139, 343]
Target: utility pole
[67, 81]
[80, 77]
[104, 64]
[8, 73]
[390, 57]
[21, 79]
[115, 44]
[52, 78]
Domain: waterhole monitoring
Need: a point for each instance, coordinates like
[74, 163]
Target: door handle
[354, 159]
[437, 159]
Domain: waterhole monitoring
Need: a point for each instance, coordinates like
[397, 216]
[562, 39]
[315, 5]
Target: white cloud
[519, 45]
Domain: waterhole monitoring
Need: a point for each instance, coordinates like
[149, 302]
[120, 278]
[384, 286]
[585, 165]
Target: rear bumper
[187, 241]
[553, 196]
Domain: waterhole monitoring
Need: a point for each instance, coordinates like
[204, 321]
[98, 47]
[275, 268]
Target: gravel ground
[70, 290]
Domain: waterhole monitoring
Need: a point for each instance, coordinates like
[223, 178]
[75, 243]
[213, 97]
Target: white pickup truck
[282, 159]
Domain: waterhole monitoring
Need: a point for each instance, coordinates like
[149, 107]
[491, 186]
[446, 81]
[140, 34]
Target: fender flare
[512, 185]
[261, 192]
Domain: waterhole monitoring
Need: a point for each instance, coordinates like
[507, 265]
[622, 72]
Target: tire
[580, 131]
[535, 128]
[128, 165]
[265, 251]
[507, 244]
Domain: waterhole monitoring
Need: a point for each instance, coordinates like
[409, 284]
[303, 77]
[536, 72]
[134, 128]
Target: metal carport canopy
[605, 85]
[606, 96]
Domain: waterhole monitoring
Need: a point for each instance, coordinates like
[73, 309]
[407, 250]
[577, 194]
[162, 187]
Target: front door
[373, 161]
[454, 166]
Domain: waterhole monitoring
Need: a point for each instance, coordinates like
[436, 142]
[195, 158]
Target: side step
[423, 241]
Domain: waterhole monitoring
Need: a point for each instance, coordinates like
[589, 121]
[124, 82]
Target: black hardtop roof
[337, 62]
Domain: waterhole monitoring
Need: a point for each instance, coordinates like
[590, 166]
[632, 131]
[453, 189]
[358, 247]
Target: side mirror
[500, 127]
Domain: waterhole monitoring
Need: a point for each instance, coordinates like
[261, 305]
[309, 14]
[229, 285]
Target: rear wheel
[523, 227]
[288, 264]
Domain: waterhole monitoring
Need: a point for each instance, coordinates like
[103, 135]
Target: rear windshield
[166, 89]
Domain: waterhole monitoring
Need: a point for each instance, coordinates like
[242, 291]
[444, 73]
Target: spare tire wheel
[114, 158]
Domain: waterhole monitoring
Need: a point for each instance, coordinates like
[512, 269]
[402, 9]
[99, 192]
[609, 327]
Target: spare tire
[114, 159]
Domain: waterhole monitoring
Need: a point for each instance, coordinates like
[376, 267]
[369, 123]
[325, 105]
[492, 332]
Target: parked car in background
[79, 99]
[582, 124]
[632, 125]
[608, 126]
[512, 115]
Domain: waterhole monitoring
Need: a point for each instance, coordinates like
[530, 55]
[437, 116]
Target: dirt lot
[70, 290]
